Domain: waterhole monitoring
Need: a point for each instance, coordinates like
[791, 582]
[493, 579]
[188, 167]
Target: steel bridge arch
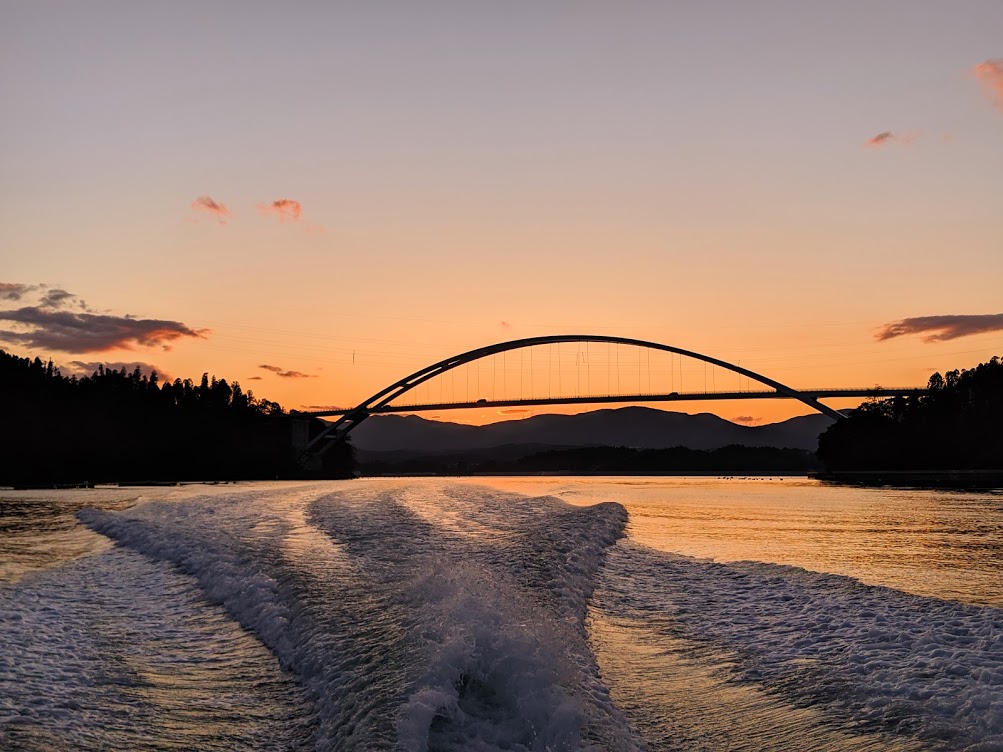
[356, 415]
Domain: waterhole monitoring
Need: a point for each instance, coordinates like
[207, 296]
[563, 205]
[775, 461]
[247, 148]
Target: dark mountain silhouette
[636, 427]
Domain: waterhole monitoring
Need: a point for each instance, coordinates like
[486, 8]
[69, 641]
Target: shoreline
[945, 479]
[949, 479]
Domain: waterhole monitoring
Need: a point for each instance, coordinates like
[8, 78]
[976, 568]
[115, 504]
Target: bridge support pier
[301, 434]
[309, 462]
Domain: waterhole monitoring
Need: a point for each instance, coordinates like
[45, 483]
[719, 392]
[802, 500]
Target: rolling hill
[637, 427]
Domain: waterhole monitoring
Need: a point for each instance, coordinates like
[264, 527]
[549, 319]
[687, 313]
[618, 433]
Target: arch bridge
[380, 402]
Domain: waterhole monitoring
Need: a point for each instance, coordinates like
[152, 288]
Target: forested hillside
[120, 426]
[957, 425]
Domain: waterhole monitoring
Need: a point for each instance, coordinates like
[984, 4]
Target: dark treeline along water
[957, 424]
[120, 426]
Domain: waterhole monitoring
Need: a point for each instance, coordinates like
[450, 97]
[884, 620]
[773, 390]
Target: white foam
[404, 634]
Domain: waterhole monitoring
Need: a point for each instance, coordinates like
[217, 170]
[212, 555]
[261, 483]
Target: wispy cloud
[286, 209]
[47, 324]
[86, 368]
[942, 328]
[287, 374]
[254, 378]
[504, 324]
[15, 290]
[55, 297]
[990, 73]
[888, 137]
[514, 411]
[46, 296]
[211, 207]
[880, 140]
[746, 419]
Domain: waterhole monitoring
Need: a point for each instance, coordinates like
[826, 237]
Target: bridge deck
[620, 398]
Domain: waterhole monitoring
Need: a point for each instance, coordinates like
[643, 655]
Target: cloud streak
[57, 298]
[211, 207]
[888, 137]
[15, 290]
[75, 332]
[59, 320]
[286, 209]
[46, 295]
[281, 372]
[990, 74]
[942, 328]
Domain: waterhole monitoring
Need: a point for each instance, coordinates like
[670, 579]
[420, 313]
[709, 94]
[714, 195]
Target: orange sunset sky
[315, 199]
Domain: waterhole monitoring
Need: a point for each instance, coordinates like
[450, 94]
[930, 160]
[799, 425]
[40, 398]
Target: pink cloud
[286, 209]
[990, 73]
[888, 137]
[212, 207]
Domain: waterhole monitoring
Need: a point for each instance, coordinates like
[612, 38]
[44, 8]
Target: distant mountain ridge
[636, 427]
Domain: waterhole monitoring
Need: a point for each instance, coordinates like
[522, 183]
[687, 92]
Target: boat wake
[407, 634]
[440, 616]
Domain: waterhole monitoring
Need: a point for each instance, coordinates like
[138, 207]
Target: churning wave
[407, 634]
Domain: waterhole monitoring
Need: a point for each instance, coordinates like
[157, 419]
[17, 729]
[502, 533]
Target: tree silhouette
[121, 426]
[956, 425]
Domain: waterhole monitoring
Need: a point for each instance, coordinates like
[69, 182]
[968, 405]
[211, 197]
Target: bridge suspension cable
[381, 401]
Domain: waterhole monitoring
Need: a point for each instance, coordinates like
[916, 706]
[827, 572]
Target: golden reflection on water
[699, 707]
[933, 543]
[38, 529]
[683, 695]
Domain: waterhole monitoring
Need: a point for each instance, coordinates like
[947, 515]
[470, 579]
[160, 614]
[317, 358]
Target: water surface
[515, 613]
